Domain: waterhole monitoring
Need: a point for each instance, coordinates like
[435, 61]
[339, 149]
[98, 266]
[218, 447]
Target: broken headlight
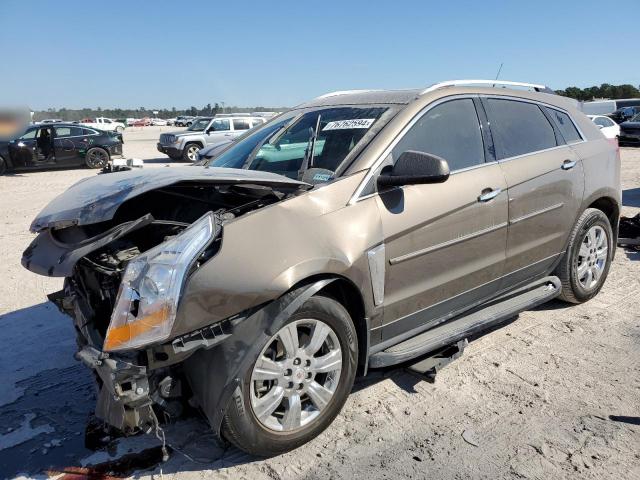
[148, 297]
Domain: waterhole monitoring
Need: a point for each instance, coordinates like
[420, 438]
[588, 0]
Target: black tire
[573, 288]
[3, 166]
[96, 157]
[241, 426]
[188, 148]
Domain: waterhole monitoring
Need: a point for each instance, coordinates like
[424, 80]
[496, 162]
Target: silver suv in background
[204, 131]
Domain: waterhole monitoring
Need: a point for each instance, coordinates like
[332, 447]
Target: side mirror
[414, 168]
[600, 127]
[209, 130]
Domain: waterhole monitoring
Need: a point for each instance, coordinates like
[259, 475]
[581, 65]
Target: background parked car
[171, 121]
[184, 121]
[141, 122]
[51, 120]
[625, 113]
[159, 122]
[103, 123]
[630, 131]
[608, 127]
[185, 144]
[59, 145]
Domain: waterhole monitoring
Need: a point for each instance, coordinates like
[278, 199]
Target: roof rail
[454, 83]
[342, 92]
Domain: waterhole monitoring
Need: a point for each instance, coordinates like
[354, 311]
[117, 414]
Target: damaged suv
[360, 230]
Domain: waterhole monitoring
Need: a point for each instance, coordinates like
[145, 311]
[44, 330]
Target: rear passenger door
[545, 182]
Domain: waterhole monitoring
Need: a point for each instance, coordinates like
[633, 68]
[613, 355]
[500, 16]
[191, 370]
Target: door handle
[568, 164]
[489, 194]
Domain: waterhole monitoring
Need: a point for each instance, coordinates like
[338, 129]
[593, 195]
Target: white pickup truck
[103, 123]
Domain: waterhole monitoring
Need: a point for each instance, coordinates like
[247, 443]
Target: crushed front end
[127, 256]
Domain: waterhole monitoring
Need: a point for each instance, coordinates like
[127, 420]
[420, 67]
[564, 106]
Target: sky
[162, 54]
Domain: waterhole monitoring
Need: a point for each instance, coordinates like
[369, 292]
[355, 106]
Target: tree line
[606, 91]
[70, 115]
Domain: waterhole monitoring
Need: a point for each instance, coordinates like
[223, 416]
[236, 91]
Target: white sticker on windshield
[348, 124]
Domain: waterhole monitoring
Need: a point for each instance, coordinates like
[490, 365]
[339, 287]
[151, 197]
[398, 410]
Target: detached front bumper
[124, 400]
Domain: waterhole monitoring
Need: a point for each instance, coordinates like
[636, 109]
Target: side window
[257, 121]
[603, 121]
[519, 128]
[450, 130]
[565, 125]
[106, 120]
[240, 124]
[87, 131]
[220, 125]
[68, 131]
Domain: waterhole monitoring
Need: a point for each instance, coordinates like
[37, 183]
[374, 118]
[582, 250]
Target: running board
[479, 319]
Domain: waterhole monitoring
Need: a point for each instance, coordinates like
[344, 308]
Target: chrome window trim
[357, 195]
[537, 102]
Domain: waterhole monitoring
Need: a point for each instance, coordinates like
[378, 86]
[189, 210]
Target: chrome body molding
[376, 258]
[448, 243]
[536, 213]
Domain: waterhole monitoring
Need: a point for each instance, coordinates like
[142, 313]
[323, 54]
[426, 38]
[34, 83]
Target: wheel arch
[346, 293]
[611, 209]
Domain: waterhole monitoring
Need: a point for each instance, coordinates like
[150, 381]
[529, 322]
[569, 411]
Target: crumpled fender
[216, 373]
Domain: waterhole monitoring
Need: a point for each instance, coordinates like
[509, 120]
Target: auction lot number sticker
[349, 124]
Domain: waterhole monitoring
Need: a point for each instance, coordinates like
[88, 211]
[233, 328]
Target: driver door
[218, 130]
[24, 150]
[445, 243]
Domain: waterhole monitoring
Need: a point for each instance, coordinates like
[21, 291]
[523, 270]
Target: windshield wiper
[309, 152]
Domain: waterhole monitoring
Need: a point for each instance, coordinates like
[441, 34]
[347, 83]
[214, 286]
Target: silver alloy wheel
[192, 152]
[96, 158]
[592, 257]
[296, 375]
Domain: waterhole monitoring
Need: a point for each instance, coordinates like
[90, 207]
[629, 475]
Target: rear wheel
[3, 166]
[96, 157]
[297, 384]
[585, 265]
[190, 152]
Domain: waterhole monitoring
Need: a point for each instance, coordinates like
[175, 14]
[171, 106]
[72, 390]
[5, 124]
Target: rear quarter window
[519, 127]
[565, 125]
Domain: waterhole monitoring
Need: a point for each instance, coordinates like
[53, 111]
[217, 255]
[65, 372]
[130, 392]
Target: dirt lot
[554, 394]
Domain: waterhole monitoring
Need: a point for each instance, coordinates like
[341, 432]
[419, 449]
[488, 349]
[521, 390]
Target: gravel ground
[553, 394]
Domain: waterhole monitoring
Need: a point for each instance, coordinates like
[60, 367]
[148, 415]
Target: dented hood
[96, 199]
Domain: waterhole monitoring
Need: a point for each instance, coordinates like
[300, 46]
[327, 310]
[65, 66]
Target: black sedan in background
[58, 145]
[630, 131]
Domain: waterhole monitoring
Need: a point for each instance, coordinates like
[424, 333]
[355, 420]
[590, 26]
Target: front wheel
[297, 384]
[585, 265]
[96, 157]
[3, 166]
[190, 152]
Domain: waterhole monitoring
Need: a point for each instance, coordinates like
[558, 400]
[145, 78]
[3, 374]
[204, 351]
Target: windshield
[199, 125]
[295, 142]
